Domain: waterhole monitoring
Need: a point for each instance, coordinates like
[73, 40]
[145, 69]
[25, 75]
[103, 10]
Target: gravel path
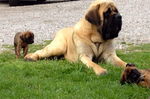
[46, 19]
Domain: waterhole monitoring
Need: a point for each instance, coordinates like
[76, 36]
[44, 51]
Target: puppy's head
[130, 74]
[105, 15]
[27, 37]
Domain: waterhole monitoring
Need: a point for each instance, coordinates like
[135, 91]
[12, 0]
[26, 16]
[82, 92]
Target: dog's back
[17, 38]
[146, 78]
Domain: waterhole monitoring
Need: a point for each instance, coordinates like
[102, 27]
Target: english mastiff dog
[90, 40]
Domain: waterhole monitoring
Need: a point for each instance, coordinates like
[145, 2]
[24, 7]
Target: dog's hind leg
[56, 48]
[17, 50]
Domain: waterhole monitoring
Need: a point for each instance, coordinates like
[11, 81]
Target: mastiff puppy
[136, 76]
[21, 40]
[90, 40]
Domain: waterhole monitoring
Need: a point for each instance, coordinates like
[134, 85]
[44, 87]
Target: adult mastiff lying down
[90, 40]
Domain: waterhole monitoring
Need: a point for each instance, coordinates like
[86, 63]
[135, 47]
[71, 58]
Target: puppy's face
[130, 75]
[28, 37]
[107, 18]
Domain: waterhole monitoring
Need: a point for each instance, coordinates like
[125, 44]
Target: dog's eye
[115, 10]
[107, 13]
[30, 37]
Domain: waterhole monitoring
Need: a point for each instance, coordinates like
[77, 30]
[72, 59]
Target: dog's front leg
[115, 60]
[89, 63]
[118, 62]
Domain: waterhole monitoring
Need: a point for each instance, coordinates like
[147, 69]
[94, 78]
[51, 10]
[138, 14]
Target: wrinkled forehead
[29, 34]
[129, 69]
[104, 7]
[110, 6]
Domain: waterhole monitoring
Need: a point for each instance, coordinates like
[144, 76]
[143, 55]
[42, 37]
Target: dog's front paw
[30, 57]
[100, 71]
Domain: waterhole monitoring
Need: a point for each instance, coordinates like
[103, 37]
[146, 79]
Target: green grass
[51, 79]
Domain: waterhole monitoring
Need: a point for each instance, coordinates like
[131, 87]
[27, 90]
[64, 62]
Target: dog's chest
[23, 45]
[98, 49]
[97, 43]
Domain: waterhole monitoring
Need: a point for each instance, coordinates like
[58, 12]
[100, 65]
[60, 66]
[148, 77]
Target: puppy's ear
[123, 79]
[93, 16]
[32, 35]
[23, 37]
[130, 65]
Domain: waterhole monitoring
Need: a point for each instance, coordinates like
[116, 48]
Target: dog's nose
[118, 16]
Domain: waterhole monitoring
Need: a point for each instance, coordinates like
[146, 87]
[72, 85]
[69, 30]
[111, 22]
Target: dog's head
[130, 74]
[105, 15]
[27, 37]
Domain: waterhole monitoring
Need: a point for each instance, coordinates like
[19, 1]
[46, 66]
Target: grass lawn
[59, 79]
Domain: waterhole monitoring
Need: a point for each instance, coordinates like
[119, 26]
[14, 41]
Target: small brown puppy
[133, 75]
[21, 40]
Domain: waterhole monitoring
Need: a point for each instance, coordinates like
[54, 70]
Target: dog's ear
[130, 65]
[123, 79]
[93, 16]
[23, 37]
[32, 35]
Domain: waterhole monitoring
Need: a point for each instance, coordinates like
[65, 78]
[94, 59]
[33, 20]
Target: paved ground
[46, 19]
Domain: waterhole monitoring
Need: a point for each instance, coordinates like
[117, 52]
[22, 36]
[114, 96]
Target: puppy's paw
[100, 71]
